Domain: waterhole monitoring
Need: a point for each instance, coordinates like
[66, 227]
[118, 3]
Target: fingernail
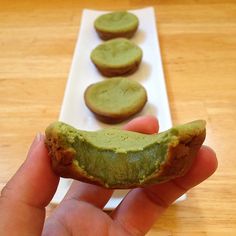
[37, 139]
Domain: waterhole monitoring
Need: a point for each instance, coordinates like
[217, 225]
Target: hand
[25, 196]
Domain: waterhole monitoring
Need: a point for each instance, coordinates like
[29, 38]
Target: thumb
[23, 199]
[34, 183]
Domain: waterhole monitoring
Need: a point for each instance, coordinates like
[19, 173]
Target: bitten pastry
[116, 24]
[117, 57]
[116, 158]
[116, 99]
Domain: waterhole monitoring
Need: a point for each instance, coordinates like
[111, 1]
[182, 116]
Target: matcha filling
[118, 157]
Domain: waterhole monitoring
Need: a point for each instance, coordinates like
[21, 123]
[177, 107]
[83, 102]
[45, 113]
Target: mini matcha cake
[116, 99]
[117, 57]
[116, 158]
[116, 24]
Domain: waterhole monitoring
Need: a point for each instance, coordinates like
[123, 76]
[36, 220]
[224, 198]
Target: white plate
[83, 73]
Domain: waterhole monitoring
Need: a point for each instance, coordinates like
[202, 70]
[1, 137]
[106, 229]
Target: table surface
[198, 45]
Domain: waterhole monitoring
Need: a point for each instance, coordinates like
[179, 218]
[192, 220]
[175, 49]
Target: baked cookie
[117, 57]
[116, 24]
[116, 99]
[116, 158]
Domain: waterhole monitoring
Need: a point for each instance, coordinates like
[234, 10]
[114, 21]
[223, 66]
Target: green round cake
[117, 57]
[116, 99]
[116, 24]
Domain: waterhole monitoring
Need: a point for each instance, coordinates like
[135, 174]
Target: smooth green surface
[116, 53]
[116, 22]
[116, 95]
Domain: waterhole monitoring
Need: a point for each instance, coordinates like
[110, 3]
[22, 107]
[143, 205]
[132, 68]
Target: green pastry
[116, 158]
[116, 24]
[117, 57]
[116, 99]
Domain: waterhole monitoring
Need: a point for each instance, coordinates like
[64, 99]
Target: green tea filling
[121, 158]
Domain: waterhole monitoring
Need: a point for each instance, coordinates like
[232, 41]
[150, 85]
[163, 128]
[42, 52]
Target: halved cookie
[116, 24]
[117, 57]
[116, 99]
[116, 158]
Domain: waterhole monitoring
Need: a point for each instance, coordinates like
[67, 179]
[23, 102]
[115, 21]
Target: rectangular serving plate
[83, 73]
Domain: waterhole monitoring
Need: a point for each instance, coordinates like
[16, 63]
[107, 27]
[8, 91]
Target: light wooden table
[198, 44]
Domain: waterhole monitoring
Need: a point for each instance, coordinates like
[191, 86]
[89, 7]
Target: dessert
[116, 99]
[116, 158]
[117, 57]
[116, 24]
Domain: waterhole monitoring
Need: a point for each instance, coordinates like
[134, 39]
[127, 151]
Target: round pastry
[116, 24]
[116, 99]
[117, 57]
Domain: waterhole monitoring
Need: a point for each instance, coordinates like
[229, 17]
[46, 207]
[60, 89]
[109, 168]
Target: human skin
[30, 190]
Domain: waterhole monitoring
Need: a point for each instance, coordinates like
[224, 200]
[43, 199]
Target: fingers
[203, 167]
[89, 193]
[143, 206]
[99, 196]
[144, 124]
[24, 197]
[35, 183]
